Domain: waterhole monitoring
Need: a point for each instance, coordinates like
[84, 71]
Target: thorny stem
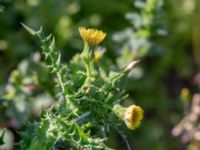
[59, 73]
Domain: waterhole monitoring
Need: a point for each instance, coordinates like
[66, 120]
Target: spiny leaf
[58, 59]
[2, 137]
[48, 38]
[31, 31]
[52, 45]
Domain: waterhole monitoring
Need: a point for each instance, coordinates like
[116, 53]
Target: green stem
[52, 56]
[87, 56]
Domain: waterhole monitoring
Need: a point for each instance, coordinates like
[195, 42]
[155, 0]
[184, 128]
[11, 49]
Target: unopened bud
[132, 65]
[131, 115]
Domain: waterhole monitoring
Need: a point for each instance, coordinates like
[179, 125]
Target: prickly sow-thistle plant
[89, 103]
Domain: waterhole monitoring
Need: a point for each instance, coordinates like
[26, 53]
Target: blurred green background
[164, 34]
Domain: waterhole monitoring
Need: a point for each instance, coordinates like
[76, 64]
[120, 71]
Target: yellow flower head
[133, 116]
[92, 36]
[185, 94]
[97, 56]
[98, 53]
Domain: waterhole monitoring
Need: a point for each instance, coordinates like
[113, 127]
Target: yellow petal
[92, 36]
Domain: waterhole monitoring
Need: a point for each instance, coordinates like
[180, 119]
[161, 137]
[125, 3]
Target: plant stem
[87, 56]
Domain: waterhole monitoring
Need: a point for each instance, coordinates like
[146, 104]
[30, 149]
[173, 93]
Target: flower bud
[131, 115]
[132, 65]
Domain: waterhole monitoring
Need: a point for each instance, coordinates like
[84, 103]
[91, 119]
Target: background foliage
[165, 37]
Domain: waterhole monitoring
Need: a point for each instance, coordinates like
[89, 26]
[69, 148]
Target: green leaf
[2, 137]
[31, 31]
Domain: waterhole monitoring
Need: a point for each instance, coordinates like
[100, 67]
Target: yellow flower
[133, 116]
[97, 56]
[92, 36]
[98, 53]
[185, 94]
